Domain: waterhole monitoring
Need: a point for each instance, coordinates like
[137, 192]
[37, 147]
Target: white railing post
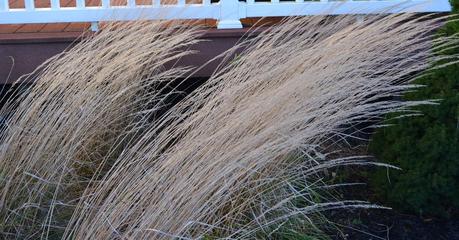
[229, 15]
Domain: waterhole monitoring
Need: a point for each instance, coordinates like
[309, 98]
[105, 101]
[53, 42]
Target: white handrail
[227, 12]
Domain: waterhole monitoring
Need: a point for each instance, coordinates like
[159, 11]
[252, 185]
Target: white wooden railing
[227, 12]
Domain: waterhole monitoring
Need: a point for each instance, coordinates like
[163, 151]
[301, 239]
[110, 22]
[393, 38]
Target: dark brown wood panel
[21, 53]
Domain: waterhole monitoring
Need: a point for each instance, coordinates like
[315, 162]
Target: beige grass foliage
[85, 106]
[219, 163]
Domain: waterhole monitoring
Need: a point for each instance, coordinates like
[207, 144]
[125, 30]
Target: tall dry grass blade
[231, 160]
[85, 107]
[220, 162]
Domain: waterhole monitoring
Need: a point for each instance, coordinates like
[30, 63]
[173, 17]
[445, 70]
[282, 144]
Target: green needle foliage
[425, 147]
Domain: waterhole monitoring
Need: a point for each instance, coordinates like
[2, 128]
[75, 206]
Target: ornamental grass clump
[242, 156]
[85, 106]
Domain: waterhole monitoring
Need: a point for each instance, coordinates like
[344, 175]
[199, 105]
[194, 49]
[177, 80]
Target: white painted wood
[4, 5]
[227, 12]
[97, 14]
[105, 3]
[29, 5]
[55, 4]
[80, 4]
[348, 7]
[229, 15]
[131, 3]
[206, 2]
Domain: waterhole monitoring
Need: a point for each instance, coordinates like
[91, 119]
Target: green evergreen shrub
[425, 147]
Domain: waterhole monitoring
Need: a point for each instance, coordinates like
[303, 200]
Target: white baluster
[206, 2]
[29, 5]
[80, 4]
[105, 3]
[55, 4]
[181, 2]
[4, 5]
[156, 2]
[131, 3]
[274, 1]
[250, 1]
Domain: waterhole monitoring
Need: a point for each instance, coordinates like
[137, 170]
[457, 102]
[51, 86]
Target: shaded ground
[387, 224]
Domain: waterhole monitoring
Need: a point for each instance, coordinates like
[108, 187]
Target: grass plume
[85, 106]
[239, 157]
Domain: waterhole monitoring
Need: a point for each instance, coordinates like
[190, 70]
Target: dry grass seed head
[296, 87]
[85, 106]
